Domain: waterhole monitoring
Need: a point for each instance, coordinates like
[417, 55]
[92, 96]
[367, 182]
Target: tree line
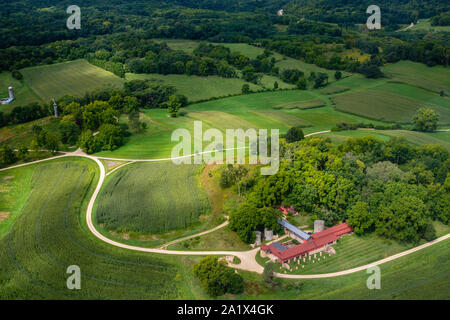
[391, 188]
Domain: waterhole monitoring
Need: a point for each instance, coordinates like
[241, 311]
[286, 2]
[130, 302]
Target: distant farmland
[419, 75]
[152, 199]
[72, 78]
[197, 88]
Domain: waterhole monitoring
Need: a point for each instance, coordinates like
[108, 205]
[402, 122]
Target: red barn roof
[317, 241]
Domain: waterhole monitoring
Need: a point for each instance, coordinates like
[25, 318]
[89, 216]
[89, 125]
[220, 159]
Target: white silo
[319, 225]
[11, 93]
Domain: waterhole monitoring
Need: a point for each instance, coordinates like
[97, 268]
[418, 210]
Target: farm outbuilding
[315, 243]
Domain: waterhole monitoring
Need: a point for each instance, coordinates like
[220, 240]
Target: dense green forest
[24, 42]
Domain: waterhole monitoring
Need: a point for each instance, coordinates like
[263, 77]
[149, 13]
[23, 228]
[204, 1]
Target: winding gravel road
[248, 260]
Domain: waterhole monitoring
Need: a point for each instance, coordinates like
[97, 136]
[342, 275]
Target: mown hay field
[197, 88]
[435, 78]
[72, 78]
[392, 102]
[152, 198]
[50, 234]
[244, 111]
[302, 105]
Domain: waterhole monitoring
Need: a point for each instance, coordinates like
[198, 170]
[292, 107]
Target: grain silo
[319, 225]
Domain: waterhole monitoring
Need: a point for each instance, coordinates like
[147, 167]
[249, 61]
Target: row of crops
[152, 198]
[50, 235]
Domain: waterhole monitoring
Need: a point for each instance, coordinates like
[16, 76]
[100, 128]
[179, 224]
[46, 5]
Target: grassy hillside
[197, 88]
[73, 78]
[152, 199]
[435, 79]
[425, 25]
[23, 95]
[50, 234]
[416, 138]
[244, 111]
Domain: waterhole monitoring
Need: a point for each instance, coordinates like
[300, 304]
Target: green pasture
[434, 79]
[392, 102]
[414, 137]
[197, 88]
[425, 25]
[238, 112]
[68, 78]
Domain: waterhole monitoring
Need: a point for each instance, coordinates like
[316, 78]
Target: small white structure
[268, 234]
[319, 225]
[11, 97]
[280, 12]
[55, 108]
[258, 238]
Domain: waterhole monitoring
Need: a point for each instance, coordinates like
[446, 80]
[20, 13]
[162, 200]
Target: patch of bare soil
[3, 216]
[112, 164]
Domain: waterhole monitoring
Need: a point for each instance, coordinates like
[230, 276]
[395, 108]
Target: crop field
[380, 104]
[197, 88]
[290, 63]
[244, 111]
[49, 234]
[152, 198]
[334, 89]
[435, 79]
[22, 93]
[302, 105]
[72, 78]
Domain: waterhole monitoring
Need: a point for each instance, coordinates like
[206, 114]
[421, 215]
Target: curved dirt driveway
[248, 260]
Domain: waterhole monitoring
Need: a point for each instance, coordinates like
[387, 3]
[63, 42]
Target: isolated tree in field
[216, 278]
[275, 85]
[426, 120]
[245, 88]
[173, 106]
[268, 276]
[134, 122]
[338, 75]
[7, 156]
[294, 134]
